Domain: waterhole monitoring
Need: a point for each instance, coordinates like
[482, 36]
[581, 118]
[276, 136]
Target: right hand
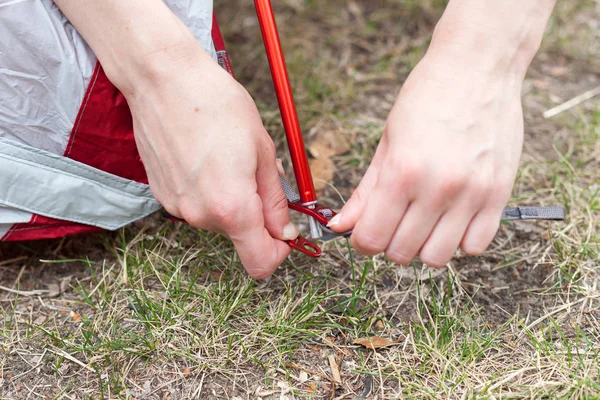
[210, 160]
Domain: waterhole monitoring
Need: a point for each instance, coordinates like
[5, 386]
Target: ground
[160, 311]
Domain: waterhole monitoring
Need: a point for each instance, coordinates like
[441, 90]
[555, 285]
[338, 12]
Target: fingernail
[290, 231]
[335, 220]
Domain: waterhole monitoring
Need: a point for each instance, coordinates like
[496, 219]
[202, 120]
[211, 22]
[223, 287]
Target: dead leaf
[375, 342]
[322, 171]
[56, 289]
[64, 284]
[325, 146]
[335, 370]
[53, 290]
[303, 376]
[329, 143]
[216, 275]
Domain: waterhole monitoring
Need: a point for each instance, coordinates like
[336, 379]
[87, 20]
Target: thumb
[353, 209]
[275, 206]
[259, 252]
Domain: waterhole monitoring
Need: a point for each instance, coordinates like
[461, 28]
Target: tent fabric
[87, 195]
[68, 160]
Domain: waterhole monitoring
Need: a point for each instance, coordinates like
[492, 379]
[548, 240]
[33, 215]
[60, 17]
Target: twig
[24, 292]
[69, 357]
[18, 279]
[509, 377]
[196, 394]
[557, 310]
[572, 103]
[13, 260]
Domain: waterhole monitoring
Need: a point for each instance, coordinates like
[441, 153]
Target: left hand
[444, 168]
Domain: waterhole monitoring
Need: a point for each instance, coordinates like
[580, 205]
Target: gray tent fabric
[78, 192]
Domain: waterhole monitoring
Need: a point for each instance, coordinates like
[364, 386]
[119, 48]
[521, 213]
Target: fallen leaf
[322, 171]
[53, 290]
[375, 342]
[325, 146]
[64, 284]
[303, 376]
[64, 368]
[216, 275]
[329, 143]
[335, 371]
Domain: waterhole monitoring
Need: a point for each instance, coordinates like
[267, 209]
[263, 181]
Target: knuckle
[169, 206]
[410, 173]
[448, 189]
[367, 244]
[223, 212]
[193, 216]
[481, 188]
[278, 201]
[453, 184]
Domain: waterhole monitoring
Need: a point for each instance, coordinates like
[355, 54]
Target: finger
[481, 230]
[384, 209]
[275, 206]
[346, 219]
[259, 252]
[442, 243]
[413, 231]
[485, 224]
[280, 168]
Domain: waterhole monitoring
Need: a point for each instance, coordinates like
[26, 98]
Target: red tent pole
[285, 98]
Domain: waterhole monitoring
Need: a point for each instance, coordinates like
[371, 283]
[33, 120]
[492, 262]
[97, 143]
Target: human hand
[444, 168]
[209, 159]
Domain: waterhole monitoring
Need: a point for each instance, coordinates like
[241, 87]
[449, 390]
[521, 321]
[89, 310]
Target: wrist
[139, 72]
[493, 37]
[148, 60]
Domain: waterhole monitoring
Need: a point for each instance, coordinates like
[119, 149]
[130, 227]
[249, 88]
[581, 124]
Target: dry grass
[159, 310]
